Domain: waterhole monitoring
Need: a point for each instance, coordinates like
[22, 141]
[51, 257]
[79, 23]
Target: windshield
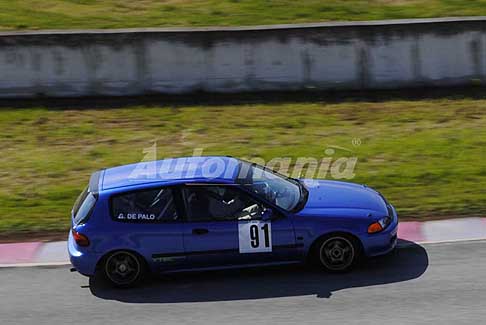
[282, 191]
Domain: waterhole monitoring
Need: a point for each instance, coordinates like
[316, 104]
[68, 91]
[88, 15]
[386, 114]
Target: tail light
[80, 239]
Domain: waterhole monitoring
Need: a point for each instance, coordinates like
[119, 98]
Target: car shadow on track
[408, 262]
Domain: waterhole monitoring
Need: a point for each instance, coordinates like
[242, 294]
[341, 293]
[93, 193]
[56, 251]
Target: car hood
[335, 198]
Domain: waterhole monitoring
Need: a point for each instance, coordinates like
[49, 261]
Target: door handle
[199, 231]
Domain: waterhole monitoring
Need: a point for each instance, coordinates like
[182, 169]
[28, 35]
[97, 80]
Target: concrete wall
[366, 55]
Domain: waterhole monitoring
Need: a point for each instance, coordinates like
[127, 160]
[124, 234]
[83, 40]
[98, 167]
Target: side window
[219, 203]
[145, 206]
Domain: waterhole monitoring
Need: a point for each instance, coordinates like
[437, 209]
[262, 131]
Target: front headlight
[379, 225]
[384, 222]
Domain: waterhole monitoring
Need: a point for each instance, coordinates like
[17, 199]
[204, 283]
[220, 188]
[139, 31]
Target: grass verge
[426, 156]
[77, 14]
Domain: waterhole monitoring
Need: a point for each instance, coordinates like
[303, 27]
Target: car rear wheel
[123, 269]
[338, 253]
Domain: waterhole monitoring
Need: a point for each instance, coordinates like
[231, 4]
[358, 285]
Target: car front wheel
[337, 253]
[123, 269]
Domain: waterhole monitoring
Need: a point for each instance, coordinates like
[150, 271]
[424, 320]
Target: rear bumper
[383, 242]
[84, 262]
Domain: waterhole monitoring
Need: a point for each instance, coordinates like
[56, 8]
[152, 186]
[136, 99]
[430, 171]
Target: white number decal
[255, 236]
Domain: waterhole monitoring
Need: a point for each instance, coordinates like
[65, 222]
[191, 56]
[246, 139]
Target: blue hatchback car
[200, 213]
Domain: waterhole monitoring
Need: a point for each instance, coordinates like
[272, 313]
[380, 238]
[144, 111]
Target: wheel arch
[105, 256]
[322, 237]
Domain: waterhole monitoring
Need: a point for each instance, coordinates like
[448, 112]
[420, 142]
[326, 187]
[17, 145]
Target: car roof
[172, 170]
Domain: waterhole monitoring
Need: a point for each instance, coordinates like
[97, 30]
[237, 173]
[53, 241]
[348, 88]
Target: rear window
[145, 206]
[79, 200]
[83, 206]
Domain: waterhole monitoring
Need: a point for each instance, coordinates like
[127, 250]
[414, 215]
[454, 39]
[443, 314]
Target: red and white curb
[443, 230]
[55, 253]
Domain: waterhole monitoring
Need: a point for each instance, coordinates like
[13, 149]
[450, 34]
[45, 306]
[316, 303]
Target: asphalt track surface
[429, 284]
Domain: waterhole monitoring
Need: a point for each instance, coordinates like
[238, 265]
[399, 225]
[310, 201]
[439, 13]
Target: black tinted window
[219, 203]
[83, 207]
[154, 205]
[80, 200]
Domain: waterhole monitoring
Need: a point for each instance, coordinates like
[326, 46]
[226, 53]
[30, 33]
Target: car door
[224, 227]
[149, 220]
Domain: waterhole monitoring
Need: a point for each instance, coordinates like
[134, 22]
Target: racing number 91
[255, 236]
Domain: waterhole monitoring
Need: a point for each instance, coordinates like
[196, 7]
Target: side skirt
[230, 267]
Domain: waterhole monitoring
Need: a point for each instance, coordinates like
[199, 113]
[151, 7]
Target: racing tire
[337, 253]
[123, 269]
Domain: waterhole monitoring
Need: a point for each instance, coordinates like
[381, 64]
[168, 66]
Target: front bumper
[84, 262]
[383, 242]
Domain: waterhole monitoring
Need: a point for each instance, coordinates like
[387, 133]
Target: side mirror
[267, 215]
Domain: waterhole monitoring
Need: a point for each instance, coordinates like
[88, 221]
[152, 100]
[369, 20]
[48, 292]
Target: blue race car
[201, 213]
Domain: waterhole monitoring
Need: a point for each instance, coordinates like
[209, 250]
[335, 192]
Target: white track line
[451, 241]
[36, 264]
